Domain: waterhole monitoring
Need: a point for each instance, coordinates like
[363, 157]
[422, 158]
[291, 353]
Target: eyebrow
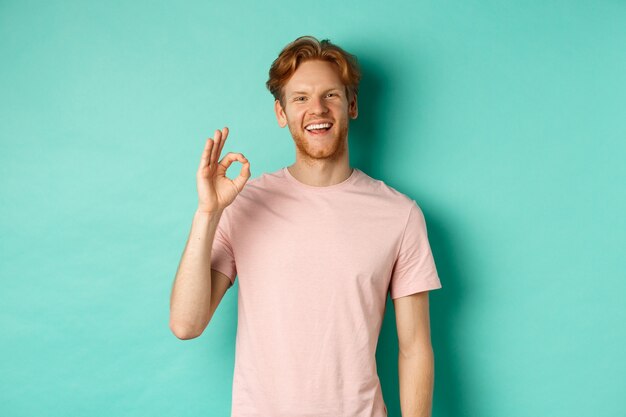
[304, 92]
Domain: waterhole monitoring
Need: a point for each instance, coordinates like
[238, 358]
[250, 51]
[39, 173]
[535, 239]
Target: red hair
[307, 48]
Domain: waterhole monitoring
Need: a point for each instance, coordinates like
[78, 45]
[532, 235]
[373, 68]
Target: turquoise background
[505, 121]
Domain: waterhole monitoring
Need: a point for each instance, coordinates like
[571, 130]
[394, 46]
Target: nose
[318, 105]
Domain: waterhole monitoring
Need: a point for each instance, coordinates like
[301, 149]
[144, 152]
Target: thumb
[244, 173]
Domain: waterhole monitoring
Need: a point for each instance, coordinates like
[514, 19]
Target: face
[317, 111]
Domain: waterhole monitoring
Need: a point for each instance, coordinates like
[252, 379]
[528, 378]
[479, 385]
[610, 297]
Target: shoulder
[256, 190]
[387, 194]
[264, 183]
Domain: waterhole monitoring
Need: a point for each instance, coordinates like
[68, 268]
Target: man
[316, 246]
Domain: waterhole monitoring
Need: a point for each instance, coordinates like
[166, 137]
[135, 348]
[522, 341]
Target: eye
[299, 98]
[330, 94]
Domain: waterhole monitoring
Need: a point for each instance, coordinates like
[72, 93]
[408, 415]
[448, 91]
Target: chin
[333, 149]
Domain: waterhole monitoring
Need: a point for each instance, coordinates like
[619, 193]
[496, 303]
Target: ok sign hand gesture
[215, 190]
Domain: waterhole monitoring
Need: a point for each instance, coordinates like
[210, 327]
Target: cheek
[341, 108]
[295, 116]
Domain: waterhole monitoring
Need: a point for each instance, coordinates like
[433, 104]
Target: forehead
[314, 74]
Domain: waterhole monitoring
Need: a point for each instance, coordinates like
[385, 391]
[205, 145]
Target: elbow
[417, 351]
[183, 331]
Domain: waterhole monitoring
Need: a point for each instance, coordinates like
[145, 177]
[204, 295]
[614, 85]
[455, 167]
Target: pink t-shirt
[315, 265]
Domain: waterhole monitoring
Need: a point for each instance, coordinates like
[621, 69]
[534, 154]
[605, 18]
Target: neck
[320, 174]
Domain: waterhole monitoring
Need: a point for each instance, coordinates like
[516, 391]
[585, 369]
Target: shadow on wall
[368, 137]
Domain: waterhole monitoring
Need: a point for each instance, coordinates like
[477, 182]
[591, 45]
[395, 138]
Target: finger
[205, 154]
[244, 174]
[213, 158]
[224, 136]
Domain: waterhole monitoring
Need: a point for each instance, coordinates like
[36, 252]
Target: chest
[317, 246]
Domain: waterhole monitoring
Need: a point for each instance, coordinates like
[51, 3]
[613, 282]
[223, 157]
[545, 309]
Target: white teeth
[318, 126]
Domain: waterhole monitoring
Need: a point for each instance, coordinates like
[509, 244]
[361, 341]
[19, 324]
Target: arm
[416, 363]
[197, 289]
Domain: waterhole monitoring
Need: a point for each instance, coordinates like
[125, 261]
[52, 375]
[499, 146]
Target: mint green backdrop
[506, 123]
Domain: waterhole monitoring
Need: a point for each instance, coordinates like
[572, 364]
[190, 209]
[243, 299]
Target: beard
[330, 148]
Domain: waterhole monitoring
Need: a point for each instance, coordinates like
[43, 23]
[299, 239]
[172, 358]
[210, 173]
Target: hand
[215, 190]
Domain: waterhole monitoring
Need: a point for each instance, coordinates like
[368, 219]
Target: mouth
[318, 129]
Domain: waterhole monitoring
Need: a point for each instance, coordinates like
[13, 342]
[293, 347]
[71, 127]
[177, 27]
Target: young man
[317, 246]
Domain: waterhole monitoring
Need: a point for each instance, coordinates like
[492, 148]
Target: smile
[318, 128]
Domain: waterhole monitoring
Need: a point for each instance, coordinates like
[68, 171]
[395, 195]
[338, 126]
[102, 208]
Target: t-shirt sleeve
[414, 269]
[222, 257]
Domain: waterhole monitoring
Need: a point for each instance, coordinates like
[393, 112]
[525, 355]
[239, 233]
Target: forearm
[417, 374]
[190, 300]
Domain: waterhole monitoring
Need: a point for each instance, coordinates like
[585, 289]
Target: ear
[280, 114]
[353, 108]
